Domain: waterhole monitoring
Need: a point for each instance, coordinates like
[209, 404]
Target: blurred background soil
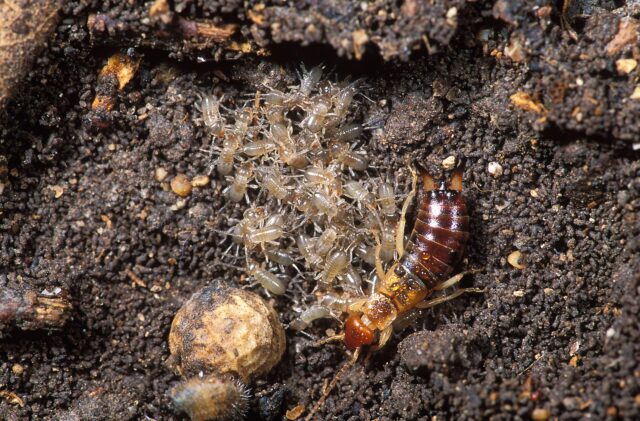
[547, 89]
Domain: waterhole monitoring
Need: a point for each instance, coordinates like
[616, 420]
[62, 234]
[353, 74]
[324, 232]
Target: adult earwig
[423, 267]
[436, 243]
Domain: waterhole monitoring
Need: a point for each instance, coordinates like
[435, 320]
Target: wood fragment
[627, 34]
[30, 310]
[525, 102]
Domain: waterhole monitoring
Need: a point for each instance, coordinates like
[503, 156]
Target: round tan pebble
[181, 185]
[226, 330]
[17, 369]
[540, 414]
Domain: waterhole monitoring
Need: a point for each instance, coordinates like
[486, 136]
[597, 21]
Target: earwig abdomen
[307, 317]
[281, 257]
[435, 245]
[265, 234]
[268, 280]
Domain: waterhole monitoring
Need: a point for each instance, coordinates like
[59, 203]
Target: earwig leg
[403, 220]
[450, 282]
[333, 383]
[379, 268]
[384, 337]
[440, 300]
[334, 338]
[356, 305]
[454, 280]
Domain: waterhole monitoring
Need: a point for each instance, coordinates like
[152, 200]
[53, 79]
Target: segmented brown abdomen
[436, 244]
[438, 238]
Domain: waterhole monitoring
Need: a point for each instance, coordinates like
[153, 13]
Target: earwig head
[356, 333]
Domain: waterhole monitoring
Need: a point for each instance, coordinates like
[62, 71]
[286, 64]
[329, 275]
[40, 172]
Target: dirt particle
[200, 181]
[17, 369]
[12, 398]
[159, 8]
[360, 38]
[573, 362]
[107, 221]
[452, 16]
[449, 162]
[495, 169]
[514, 50]
[58, 191]
[514, 260]
[137, 281]
[627, 34]
[180, 204]
[295, 412]
[525, 102]
[540, 414]
[181, 185]
[160, 174]
[626, 65]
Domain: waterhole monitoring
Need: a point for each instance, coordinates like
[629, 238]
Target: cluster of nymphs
[316, 208]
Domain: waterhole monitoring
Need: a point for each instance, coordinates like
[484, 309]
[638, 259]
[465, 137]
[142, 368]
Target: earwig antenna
[230, 266]
[366, 97]
[333, 383]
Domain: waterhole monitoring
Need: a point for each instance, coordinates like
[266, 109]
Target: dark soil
[559, 338]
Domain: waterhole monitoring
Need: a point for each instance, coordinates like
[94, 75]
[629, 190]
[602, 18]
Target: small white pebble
[160, 174]
[611, 332]
[449, 162]
[534, 193]
[579, 81]
[548, 291]
[519, 293]
[180, 203]
[495, 169]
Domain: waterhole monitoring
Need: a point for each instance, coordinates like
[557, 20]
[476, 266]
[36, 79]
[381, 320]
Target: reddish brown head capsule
[356, 334]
